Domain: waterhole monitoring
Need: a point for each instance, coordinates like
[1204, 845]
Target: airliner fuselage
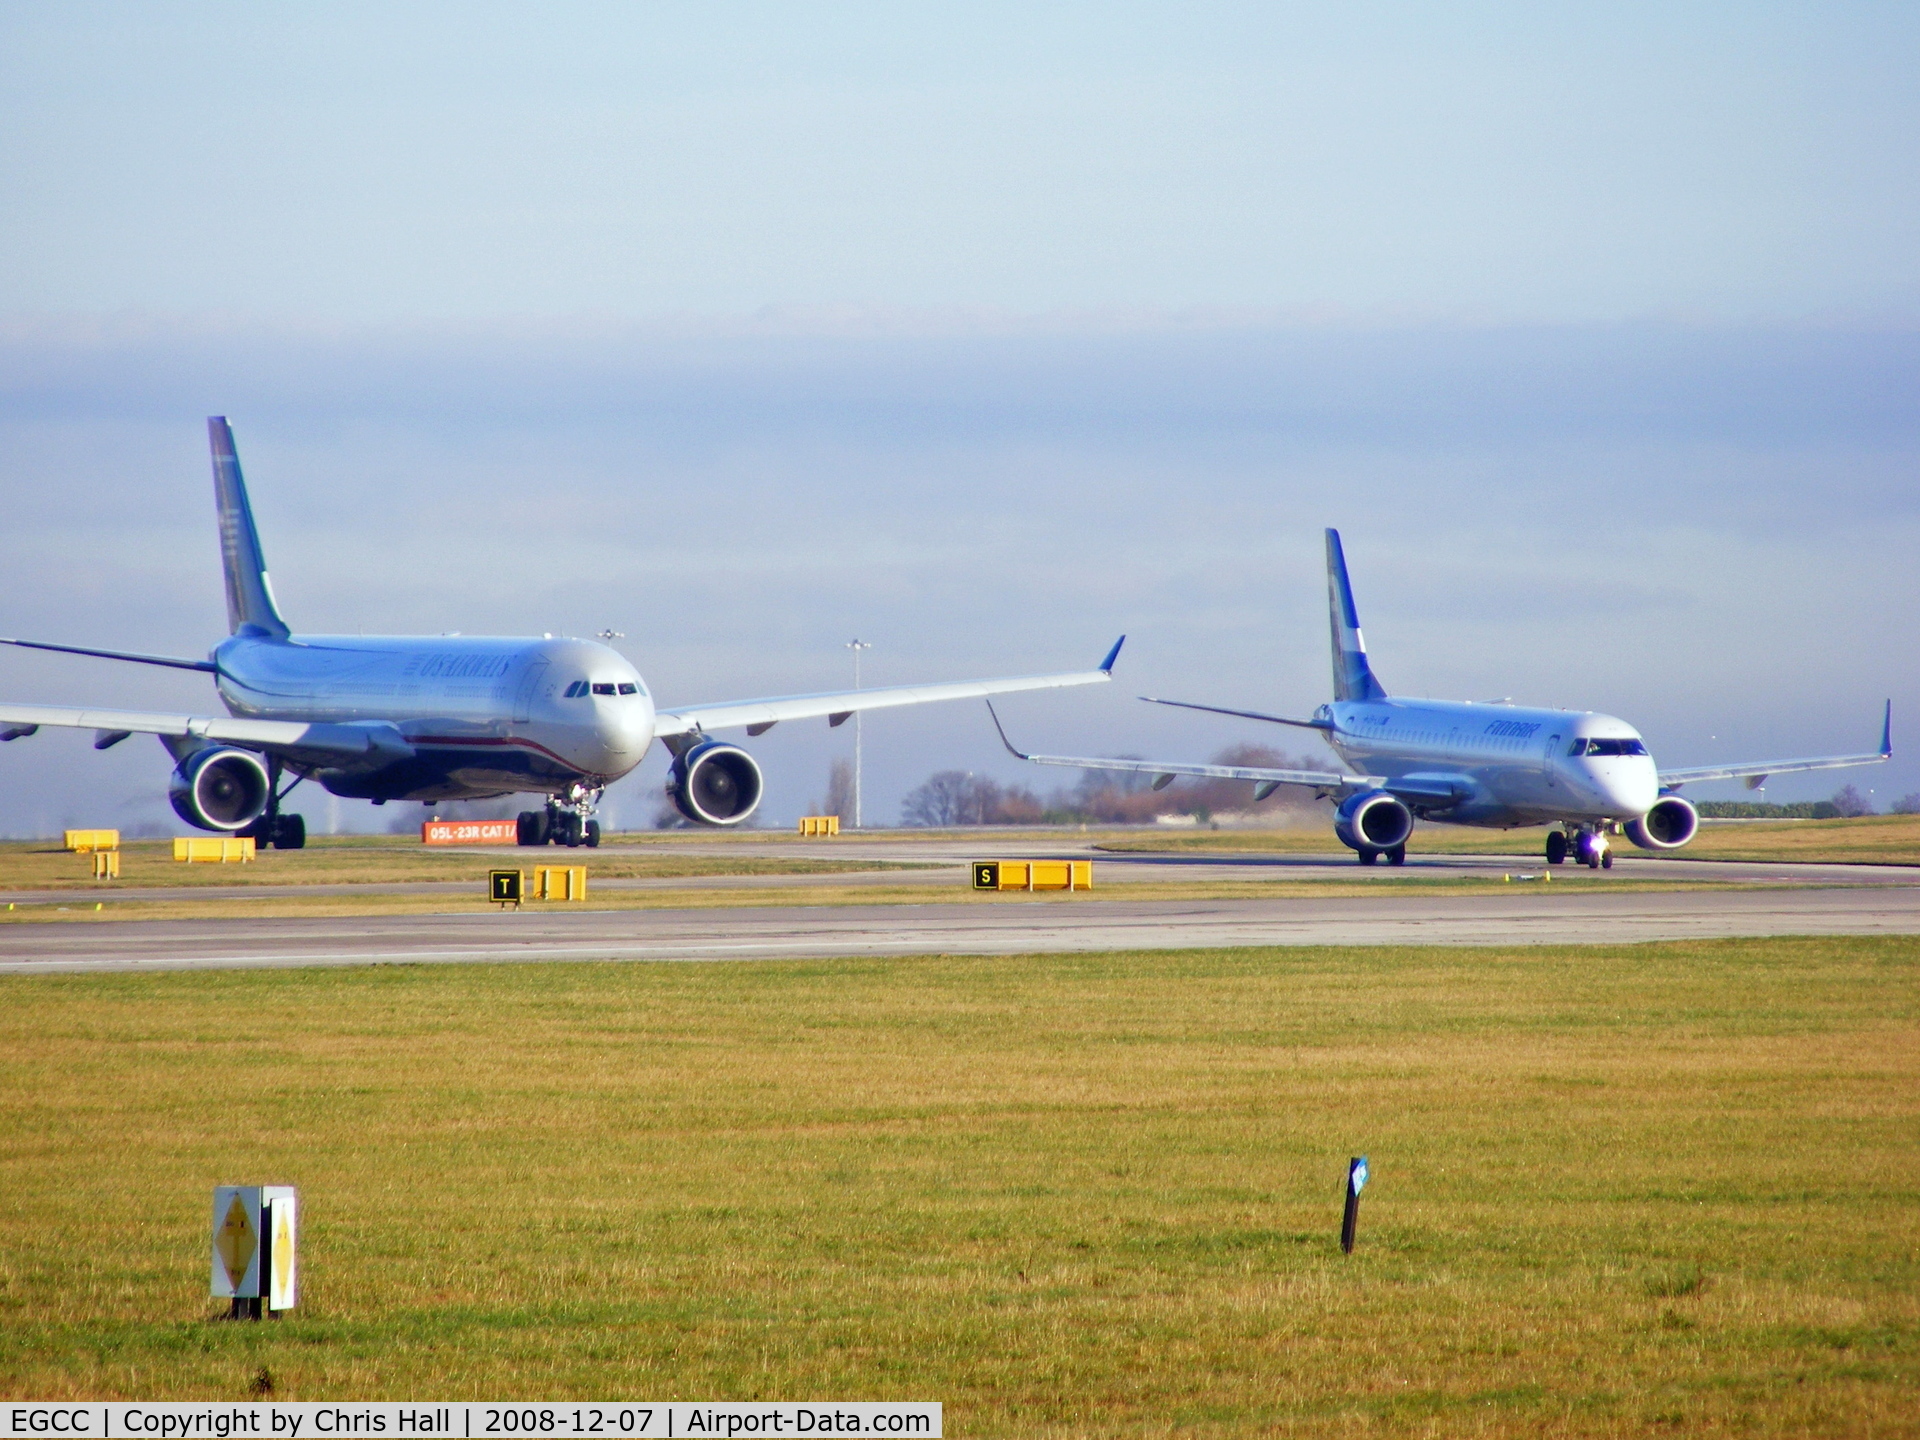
[1498, 765]
[478, 715]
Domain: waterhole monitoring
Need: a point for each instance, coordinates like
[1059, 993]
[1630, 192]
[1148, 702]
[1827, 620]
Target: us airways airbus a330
[1588, 776]
[441, 717]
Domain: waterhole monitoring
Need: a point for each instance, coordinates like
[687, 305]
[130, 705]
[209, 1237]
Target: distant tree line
[1107, 797]
[1847, 804]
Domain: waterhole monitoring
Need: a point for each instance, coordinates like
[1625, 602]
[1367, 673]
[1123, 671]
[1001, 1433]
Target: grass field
[1616, 1190]
[1870, 840]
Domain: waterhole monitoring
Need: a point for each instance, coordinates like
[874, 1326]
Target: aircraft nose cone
[1632, 791]
[624, 737]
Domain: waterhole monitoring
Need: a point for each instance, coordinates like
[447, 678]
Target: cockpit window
[603, 687]
[627, 687]
[1597, 746]
[578, 687]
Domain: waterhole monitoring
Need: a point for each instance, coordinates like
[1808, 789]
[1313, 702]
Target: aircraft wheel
[1367, 857]
[593, 836]
[1593, 859]
[1606, 860]
[1397, 855]
[290, 833]
[532, 827]
[1556, 847]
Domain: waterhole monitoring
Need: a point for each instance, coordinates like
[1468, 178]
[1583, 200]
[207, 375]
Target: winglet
[1886, 733]
[1019, 754]
[1106, 665]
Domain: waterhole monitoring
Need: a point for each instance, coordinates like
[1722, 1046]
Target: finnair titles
[436, 718]
[1586, 775]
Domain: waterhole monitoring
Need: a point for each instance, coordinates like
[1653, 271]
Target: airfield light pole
[856, 646]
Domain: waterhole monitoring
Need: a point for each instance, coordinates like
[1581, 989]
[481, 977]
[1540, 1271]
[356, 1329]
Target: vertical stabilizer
[1352, 676]
[250, 607]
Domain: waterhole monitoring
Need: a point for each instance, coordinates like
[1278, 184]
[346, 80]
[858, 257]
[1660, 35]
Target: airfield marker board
[1350, 1220]
[236, 1243]
[279, 1206]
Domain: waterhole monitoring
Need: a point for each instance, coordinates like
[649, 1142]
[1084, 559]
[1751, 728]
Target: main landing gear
[1396, 856]
[282, 832]
[1588, 846]
[567, 820]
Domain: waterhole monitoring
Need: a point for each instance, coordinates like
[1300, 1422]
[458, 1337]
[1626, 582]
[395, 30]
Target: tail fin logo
[250, 603]
[1352, 675]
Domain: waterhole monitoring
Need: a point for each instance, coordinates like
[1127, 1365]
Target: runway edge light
[1350, 1219]
[256, 1236]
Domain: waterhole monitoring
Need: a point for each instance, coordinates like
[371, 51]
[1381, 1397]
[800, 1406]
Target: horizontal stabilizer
[167, 660]
[1242, 714]
[1261, 775]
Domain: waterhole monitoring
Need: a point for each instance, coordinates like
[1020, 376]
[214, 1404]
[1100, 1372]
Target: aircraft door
[529, 690]
[1547, 769]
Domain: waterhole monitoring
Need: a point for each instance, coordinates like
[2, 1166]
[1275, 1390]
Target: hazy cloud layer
[1709, 530]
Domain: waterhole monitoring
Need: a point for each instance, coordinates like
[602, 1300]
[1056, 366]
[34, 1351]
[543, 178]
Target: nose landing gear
[1589, 848]
[567, 820]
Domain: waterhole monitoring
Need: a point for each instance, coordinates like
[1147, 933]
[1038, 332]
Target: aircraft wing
[289, 739]
[762, 715]
[1165, 770]
[1757, 772]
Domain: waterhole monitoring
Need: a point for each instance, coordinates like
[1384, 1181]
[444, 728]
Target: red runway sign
[470, 832]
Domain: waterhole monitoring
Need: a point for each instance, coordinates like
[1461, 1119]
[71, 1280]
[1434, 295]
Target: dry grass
[333, 860]
[1616, 1189]
[1871, 840]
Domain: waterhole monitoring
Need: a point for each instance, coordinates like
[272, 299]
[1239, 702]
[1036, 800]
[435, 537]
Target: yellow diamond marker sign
[282, 1249]
[236, 1243]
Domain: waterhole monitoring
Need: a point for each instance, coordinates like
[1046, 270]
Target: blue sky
[984, 332]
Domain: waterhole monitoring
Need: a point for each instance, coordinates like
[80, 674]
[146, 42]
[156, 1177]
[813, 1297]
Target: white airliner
[434, 718]
[1492, 765]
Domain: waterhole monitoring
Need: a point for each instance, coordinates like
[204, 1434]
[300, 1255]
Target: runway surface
[1528, 915]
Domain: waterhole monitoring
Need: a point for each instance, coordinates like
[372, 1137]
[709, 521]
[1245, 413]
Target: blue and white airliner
[436, 718]
[1586, 775]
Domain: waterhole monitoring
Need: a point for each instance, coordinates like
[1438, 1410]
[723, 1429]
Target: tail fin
[250, 604]
[1352, 676]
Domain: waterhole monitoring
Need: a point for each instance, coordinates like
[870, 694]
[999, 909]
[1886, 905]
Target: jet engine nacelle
[1667, 826]
[715, 784]
[220, 789]
[1372, 820]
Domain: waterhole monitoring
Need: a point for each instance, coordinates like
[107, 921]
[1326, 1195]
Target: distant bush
[1106, 797]
[1906, 805]
[1850, 803]
[1760, 810]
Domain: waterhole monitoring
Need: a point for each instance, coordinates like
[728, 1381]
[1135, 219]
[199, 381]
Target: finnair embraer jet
[1491, 765]
[434, 718]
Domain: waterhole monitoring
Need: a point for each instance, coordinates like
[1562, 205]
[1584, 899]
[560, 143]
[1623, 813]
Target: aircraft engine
[715, 784]
[1667, 826]
[1372, 820]
[220, 789]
